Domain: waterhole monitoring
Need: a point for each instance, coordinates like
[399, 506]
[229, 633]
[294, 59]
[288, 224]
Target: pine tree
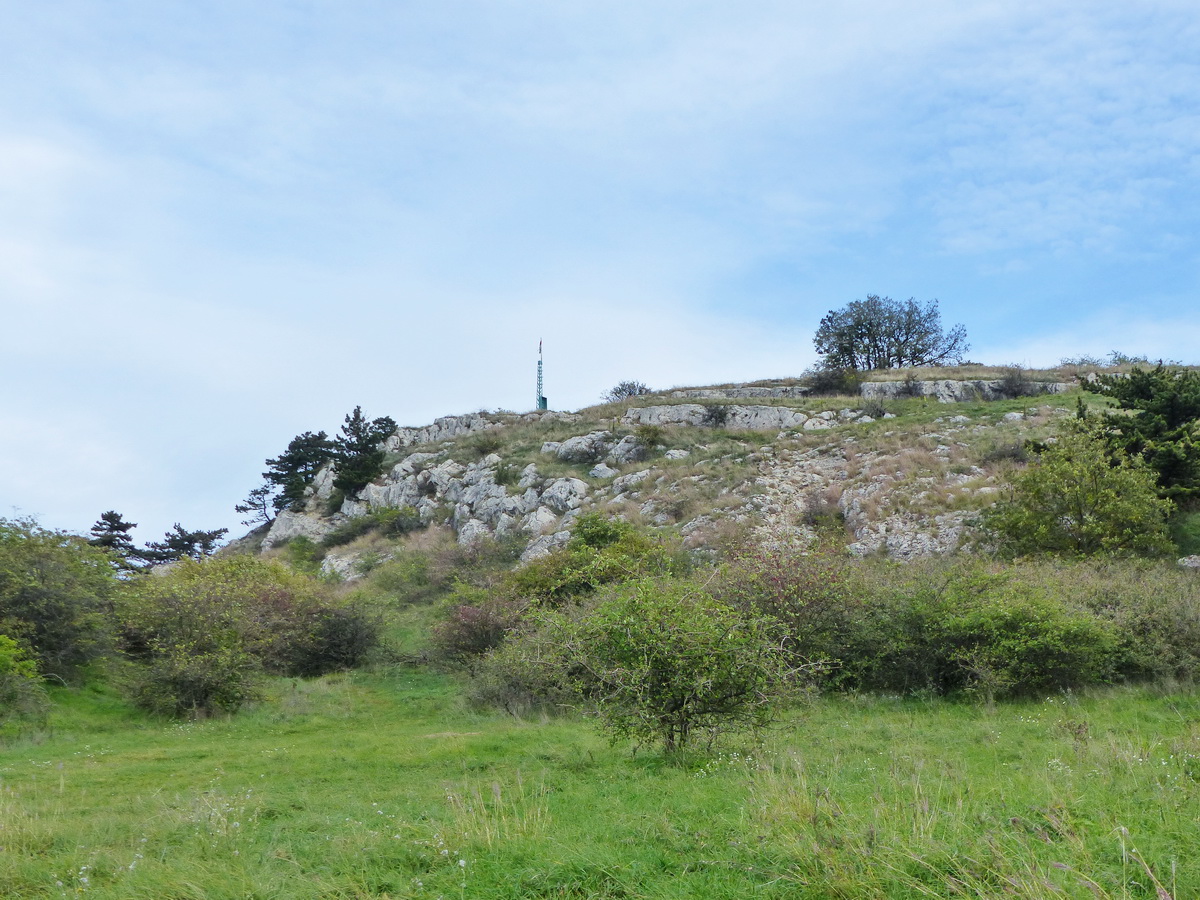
[111, 533]
[358, 452]
[179, 543]
[294, 470]
[259, 503]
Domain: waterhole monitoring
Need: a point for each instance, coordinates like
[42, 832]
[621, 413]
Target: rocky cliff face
[906, 485]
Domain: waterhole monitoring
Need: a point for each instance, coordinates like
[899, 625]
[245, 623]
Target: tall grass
[388, 786]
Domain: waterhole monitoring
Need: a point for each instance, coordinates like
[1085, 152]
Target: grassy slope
[354, 787]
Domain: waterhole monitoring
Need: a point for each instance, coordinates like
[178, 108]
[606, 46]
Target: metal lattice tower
[542, 403]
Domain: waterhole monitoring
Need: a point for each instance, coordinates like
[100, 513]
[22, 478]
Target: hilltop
[897, 469]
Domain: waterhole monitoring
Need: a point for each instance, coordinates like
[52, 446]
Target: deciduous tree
[882, 333]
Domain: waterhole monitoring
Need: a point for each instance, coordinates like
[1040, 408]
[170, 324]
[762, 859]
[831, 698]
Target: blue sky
[222, 224]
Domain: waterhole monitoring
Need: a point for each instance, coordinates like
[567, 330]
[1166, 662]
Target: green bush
[22, 696]
[1185, 531]
[1074, 501]
[650, 436]
[825, 382]
[196, 682]
[663, 661]
[54, 593]
[593, 559]
[483, 443]
[200, 633]
[991, 635]
[390, 522]
[304, 555]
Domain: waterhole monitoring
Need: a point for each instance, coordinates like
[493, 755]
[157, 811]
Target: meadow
[387, 784]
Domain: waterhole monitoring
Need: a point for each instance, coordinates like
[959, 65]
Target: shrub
[200, 633]
[1185, 531]
[715, 416]
[388, 521]
[663, 661]
[1073, 501]
[824, 382]
[582, 567]
[874, 408]
[650, 436]
[54, 593]
[474, 627]
[597, 531]
[21, 693]
[1014, 383]
[623, 390]
[196, 683]
[997, 637]
[484, 443]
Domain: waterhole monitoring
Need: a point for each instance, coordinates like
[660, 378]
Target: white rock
[585, 447]
[551, 446]
[628, 449]
[603, 471]
[625, 482]
[565, 494]
[472, 532]
[288, 525]
[540, 521]
[545, 545]
[677, 454]
[529, 477]
[946, 391]
[1190, 562]
[1013, 417]
[444, 429]
[412, 464]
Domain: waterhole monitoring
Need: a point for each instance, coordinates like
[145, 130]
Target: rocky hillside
[898, 470]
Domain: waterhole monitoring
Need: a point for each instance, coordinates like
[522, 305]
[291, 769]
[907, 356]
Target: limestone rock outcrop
[947, 391]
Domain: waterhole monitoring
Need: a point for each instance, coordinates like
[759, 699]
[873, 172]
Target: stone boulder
[628, 449]
[565, 494]
[288, 525]
[585, 448]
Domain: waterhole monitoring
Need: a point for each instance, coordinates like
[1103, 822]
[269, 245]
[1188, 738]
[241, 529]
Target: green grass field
[390, 786]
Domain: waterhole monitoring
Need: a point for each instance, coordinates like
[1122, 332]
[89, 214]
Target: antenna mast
[542, 403]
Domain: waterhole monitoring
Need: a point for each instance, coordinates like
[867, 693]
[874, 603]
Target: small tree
[1074, 500]
[623, 390]
[259, 503]
[882, 333]
[358, 453]
[665, 661]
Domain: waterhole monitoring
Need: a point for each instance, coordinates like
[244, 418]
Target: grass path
[377, 786]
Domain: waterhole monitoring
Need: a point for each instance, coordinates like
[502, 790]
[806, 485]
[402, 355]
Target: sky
[226, 223]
